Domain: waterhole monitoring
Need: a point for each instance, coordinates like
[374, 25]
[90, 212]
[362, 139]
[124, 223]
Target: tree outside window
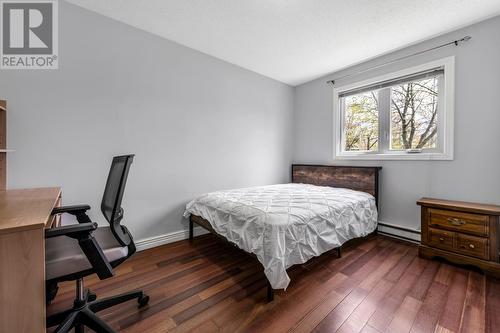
[413, 117]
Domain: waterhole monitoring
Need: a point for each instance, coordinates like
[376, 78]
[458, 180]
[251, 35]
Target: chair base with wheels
[85, 307]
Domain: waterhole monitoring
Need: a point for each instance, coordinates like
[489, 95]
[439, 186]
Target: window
[402, 115]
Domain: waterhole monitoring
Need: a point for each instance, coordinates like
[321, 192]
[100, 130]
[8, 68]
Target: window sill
[396, 156]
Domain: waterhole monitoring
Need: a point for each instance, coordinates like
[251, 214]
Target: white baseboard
[394, 230]
[176, 236]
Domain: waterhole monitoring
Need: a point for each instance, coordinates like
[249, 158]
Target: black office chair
[78, 250]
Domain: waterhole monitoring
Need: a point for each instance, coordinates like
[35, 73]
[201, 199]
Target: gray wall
[474, 173]
[198, 124]
[195, 123]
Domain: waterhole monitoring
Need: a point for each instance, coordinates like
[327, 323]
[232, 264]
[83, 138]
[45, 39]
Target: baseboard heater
[397, 235]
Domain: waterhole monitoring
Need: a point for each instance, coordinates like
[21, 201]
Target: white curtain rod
[455, 42]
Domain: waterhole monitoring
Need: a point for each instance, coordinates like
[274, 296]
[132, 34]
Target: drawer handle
[472, 246]
[455, 222]
[441, 239]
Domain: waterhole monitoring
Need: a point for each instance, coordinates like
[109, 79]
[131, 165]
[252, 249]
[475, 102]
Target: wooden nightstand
[461, 232]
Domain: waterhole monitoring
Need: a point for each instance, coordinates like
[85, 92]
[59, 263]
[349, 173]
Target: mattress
[287, 224]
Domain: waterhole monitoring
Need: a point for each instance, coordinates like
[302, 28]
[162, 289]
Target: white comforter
[287, 224]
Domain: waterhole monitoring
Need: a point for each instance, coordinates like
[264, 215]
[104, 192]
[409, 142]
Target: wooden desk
[24, 215]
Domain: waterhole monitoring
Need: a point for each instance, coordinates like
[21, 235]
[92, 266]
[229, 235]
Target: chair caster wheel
[92, 297]
[143, 301]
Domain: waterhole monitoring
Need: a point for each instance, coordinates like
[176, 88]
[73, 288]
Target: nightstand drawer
[473, 246]
[476, 224]
[441, 238]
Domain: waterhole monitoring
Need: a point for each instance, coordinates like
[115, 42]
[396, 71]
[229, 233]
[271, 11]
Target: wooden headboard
[363, 179]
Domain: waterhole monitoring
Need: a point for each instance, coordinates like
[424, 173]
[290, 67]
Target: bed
[287, 224]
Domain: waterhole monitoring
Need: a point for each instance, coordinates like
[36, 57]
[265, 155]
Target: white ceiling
[294, 41]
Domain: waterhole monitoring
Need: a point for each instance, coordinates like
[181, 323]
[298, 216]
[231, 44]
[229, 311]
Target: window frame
[444, 150]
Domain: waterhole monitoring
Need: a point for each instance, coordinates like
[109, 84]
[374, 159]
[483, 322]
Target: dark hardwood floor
[380, 285]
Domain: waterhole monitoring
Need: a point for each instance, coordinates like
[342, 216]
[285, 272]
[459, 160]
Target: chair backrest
[112, 197]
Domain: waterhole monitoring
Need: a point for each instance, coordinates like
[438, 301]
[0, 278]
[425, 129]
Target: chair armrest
[73, 209]
[83, 233]
[77, 210]
[72, 230]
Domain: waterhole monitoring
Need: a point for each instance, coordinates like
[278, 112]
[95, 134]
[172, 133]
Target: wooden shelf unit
[3, 145]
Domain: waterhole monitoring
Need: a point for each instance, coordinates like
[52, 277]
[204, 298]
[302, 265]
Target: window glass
[414, 114]
[361, 122]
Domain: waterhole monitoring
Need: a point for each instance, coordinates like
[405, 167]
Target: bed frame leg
[191, 227]
[270, 292]
[339, 252]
